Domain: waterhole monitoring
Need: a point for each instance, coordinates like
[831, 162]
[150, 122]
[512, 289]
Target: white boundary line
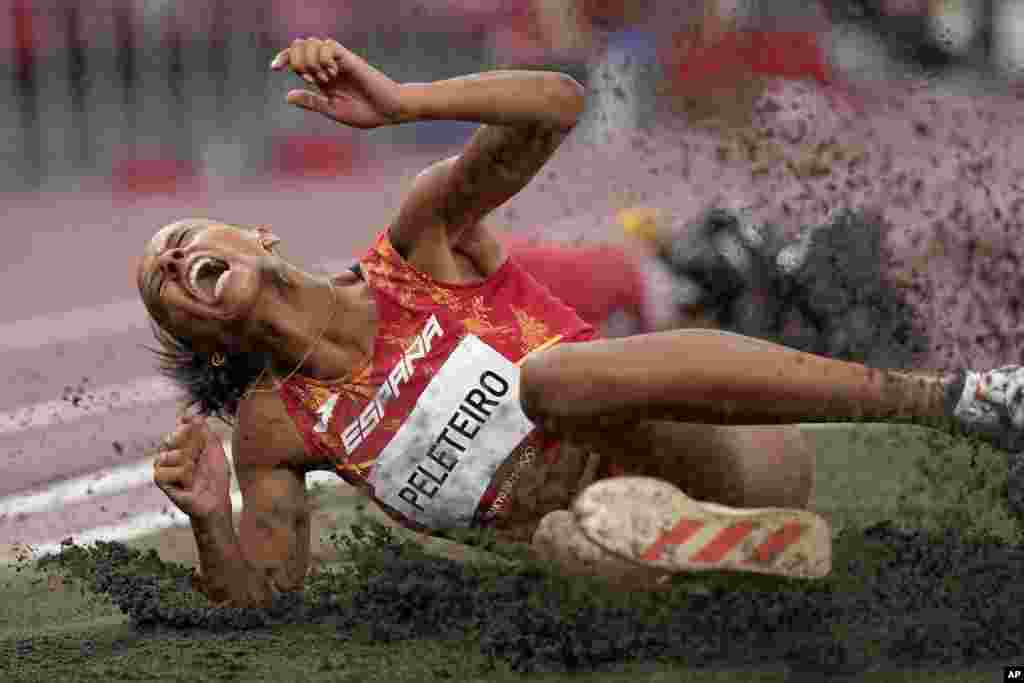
[71, 491]
[140, 525]
[114, 481]
[144, 524]
[109, 482]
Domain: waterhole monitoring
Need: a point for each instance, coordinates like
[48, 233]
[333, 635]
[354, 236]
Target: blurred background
[144, 94]
[119, 116]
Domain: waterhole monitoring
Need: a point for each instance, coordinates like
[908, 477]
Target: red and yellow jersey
[431, 427]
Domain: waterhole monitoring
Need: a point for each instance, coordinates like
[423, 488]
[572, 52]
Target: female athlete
[447, 384]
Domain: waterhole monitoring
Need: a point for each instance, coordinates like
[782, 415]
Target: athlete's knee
[542, 391]
[778, 466]
[579, 386]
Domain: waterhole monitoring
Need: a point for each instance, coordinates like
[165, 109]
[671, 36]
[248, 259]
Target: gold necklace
[316, 342]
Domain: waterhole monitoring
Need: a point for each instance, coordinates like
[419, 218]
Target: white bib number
[440, 462]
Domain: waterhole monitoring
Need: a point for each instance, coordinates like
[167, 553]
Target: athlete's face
[199, 279]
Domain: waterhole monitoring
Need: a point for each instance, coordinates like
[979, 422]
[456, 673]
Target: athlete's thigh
[602, 377]
[685, 375]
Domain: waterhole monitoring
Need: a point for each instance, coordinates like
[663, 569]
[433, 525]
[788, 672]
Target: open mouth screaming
[207, 276]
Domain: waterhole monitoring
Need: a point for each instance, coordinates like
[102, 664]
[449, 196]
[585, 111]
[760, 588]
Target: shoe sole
[653, 523]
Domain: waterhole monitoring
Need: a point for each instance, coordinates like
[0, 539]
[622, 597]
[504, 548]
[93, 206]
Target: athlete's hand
[193, 470]
[350, 90]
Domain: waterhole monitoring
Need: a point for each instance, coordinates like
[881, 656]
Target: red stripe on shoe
[778, 541]
[677, 535]
[723, 542]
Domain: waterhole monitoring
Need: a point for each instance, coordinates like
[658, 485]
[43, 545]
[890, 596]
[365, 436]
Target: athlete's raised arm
[526, 114]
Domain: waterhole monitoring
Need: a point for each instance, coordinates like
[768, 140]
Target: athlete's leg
[743, 467]
[639, 401]
[716, 377]
[748, 467]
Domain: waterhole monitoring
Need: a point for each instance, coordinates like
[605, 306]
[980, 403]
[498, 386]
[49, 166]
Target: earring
[218, 359]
